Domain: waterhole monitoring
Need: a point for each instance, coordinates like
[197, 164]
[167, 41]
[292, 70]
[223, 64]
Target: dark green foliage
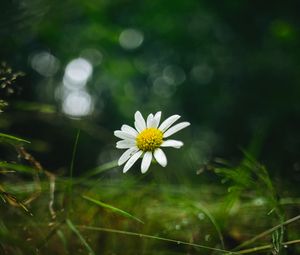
[249, 179]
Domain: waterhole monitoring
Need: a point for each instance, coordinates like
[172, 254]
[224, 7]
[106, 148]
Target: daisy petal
[168, 122]
[139, 122]
[160, 157]
[129, 130]
[149, 120]
[176, 128]
[146, 162]
[132, 160]
[156, 119]
[172, 143]
[123, 135]
[126, 155]
[125, 144]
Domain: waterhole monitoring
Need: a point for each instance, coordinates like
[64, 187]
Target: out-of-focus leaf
[35, 107]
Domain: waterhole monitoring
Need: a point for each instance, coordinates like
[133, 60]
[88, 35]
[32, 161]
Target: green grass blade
[64, 240]
[101, 169]
[213, 221]
[267, 247]
[267, 232]
[52, 232]
[74, 153]
[112, 208]
[81, 238]
[12, 138]
[70, 186]
[122, 232]
[17, 167]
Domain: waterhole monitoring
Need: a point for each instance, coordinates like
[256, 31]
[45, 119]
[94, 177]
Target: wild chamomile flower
[147, 139]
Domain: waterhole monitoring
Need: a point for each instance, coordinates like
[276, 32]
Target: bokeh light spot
[174, 74]
[202, 74]
[77, 72]
[131, 39]
[44, 63]
[78, 104]
[94, 56]
[163, 88]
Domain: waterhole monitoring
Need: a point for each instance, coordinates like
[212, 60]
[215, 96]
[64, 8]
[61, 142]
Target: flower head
[146, 140]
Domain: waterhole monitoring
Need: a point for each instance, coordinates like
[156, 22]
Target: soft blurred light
[155, 71]
[78, 104]
[202, 74]
[174, 74]
[107, 154]
[44, 63]
[77, 73]
[131, 39]
[163, 88]
[259, 201]
[94, 56]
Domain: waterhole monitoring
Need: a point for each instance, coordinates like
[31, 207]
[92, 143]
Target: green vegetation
[169, 218]
[73, 72]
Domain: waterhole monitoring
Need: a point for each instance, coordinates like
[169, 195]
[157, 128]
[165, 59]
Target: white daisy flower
[147, 139]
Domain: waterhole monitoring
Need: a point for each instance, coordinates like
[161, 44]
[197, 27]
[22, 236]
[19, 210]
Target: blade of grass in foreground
[70, 185]
[17, 167]
[12, 138]
[213, 221]
[81, 238]
[112, 208]
[105, 167]
[268, 247]
[267, 232]
[53, 231]
[63, 239]
[73, 156]
[116, 231]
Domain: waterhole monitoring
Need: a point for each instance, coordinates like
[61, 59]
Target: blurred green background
[231, 68]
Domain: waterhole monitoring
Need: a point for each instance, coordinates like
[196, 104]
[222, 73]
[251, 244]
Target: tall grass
[131, 216]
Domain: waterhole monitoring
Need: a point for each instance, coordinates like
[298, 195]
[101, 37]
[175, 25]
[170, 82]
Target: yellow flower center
[149, 139]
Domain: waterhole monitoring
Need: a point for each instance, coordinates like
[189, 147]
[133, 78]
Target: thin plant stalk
[72, 166]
